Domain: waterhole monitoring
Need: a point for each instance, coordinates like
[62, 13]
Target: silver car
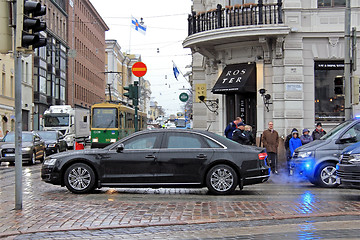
[33, 148]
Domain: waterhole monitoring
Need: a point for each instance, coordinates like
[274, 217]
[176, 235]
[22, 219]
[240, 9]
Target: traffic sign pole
[139, 69]
[136, 103]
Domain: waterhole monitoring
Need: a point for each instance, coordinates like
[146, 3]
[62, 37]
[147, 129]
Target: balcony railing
[238, 15]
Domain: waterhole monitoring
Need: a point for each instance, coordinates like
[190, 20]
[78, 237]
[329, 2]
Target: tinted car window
[141, 142]
[180, 140]
[212, 144]
[353, 132]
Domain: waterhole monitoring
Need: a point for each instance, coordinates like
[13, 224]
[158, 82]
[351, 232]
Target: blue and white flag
[176, 71]
[137, 26]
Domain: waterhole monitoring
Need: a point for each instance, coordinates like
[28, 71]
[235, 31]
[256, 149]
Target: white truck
[73, 123]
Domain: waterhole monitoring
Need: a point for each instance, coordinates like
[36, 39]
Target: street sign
[183, 97]
[139, 69]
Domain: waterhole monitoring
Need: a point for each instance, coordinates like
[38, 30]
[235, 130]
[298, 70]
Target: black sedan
[160, 158]
[33, 148]
[54, 141]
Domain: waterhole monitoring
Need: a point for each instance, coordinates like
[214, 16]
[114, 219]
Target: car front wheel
[221, 180]
[79, 178]
[326, 175]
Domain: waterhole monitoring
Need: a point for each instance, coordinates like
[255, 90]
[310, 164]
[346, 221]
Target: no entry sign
[139, 69]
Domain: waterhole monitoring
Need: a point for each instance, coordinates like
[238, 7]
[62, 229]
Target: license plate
[9, 154]
[338, 180]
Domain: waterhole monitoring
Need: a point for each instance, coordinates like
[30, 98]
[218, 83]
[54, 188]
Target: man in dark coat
[318, 132]
[240, 135]
[231, 127]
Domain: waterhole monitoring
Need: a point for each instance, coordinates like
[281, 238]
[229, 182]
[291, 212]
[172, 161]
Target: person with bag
[231, 127]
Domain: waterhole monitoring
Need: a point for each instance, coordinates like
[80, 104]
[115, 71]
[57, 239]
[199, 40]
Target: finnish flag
[176, 71]
[137, 26]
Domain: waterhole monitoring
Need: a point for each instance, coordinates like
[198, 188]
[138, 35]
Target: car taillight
[262, 156]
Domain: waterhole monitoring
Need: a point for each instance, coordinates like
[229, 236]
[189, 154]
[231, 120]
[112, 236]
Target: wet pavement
[282, 208]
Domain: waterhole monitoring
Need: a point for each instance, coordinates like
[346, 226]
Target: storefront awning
[236, 78]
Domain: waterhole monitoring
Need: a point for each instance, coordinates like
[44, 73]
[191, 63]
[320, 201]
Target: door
[182, 158]
[135, 164]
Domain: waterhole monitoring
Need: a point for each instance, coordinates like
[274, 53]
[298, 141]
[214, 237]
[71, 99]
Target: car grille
[345, 158]
[7, 150]
[347, 175]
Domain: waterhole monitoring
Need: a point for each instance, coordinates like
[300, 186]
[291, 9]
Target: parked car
[348, 169]
[33, 148]
[54, 141]
[317, 160]
[160, 158]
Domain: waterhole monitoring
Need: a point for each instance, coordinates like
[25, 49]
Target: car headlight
[50, 161]
[26, 149]
[354, 158]
[304, 154]
[52, 145]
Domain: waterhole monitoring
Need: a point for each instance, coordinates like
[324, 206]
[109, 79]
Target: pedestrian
[294, 142]
[306, 137]
[318, 132]
[231, 127]
[248, 131]
[286, 145]
[270, 139]
[240, 135]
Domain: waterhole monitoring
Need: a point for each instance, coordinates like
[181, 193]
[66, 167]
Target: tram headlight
[113, 140]
[95, 140]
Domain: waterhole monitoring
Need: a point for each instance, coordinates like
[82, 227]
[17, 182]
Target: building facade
[86, 64]
[50, 62]
[269, 60]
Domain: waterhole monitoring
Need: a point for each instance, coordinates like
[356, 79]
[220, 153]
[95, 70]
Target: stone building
[278, 60]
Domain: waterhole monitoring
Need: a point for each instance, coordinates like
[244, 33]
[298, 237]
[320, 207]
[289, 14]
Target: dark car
[317, 160]
[160, 158]
[33, 148]
[54, 141]
[348, 169]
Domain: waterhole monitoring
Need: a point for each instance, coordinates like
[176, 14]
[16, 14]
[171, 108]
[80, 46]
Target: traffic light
[131, 91]
[339, 85]
[29, 26]
[5, 28]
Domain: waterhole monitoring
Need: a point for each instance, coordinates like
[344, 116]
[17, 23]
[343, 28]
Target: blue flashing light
[357, 117]
[307, 165]
[337, 167]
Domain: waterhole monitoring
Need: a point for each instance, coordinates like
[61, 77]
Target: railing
[238, 15]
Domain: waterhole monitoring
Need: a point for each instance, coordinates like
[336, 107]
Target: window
[353, 134]
[141, 142]
[212, 144]
[235, 2]
[331, 3]
[183, 140]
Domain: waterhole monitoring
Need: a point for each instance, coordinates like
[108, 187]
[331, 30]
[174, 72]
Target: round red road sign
[139, 69]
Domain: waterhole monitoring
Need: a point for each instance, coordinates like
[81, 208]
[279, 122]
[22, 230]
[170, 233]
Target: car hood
[312, 146]
[353, 149]
[12, 145]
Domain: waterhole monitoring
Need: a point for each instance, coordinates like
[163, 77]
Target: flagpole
[130, 36]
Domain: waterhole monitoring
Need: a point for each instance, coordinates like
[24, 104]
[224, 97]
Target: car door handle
[150, 157]
[201, 156]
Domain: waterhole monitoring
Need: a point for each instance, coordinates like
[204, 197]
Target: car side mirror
[346, 138]
[120, 148]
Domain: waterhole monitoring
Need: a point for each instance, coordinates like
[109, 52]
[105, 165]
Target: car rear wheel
[326, 175]
[79, 178]
[221, 179]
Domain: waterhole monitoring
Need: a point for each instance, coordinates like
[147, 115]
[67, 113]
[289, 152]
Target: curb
[283, 217]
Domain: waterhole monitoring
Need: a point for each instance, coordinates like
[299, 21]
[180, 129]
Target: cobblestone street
[281, 208]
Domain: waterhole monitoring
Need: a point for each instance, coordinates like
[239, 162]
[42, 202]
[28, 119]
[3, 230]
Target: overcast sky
[166, 22]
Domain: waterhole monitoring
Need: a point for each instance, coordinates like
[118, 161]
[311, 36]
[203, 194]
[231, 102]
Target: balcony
[248, 22]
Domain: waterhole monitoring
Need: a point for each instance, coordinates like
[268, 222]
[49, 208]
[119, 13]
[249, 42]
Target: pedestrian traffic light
[5, 27]
[29, 25]
[339, 85]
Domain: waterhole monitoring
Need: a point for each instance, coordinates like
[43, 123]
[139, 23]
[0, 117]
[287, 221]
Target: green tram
[113, 121]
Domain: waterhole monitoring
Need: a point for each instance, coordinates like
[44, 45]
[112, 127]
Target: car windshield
[56, 120]
[26, 137]
[105, 118]
[48, 135]
[335, 130]
[180, 123]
